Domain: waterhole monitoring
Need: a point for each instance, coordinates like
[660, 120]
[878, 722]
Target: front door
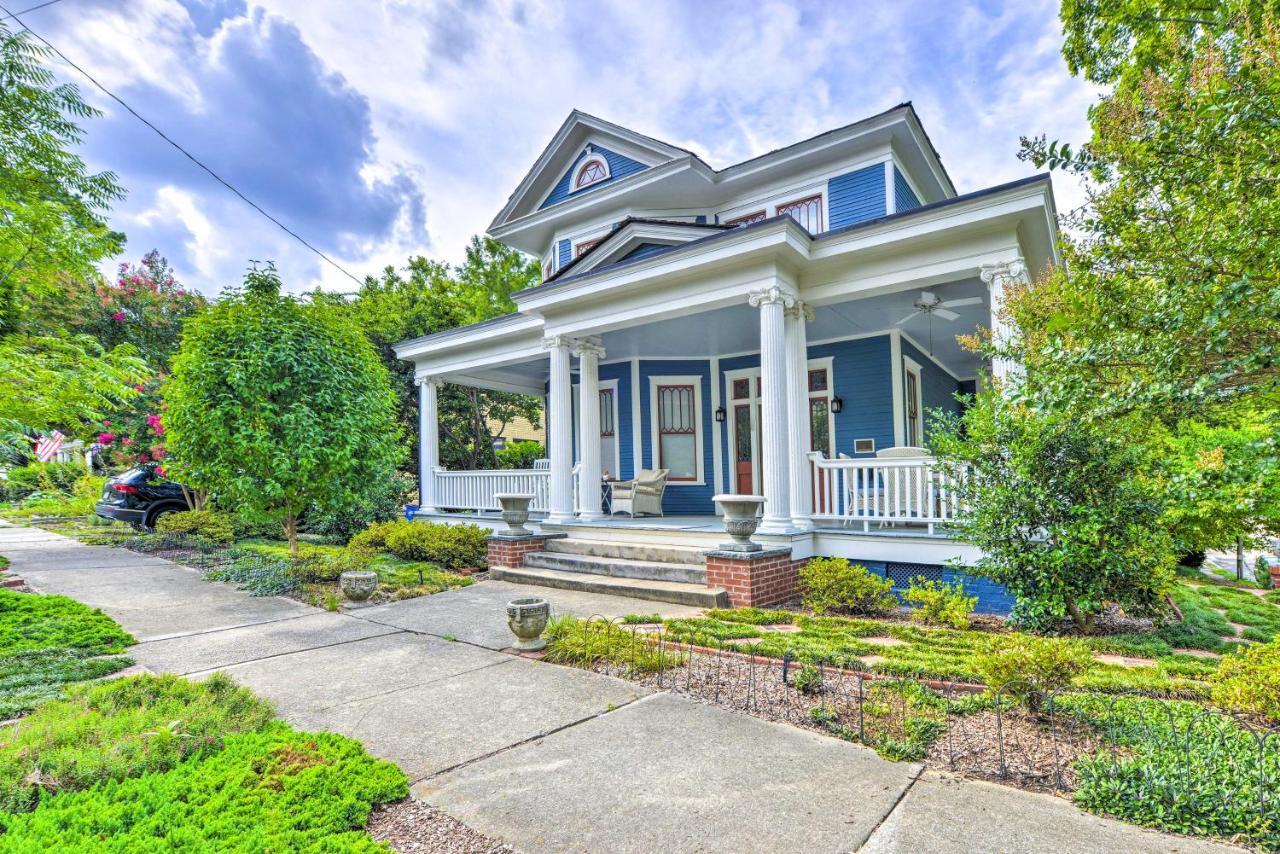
[744, 396]
[743, 447]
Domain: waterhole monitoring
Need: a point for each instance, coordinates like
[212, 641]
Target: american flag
[47, 446]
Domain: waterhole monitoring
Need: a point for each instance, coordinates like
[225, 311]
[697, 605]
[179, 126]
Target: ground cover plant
[49, 642]
[117, 729]
[587, 643]
[270, 790]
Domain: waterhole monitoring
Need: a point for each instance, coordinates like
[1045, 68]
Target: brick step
[688, 573]
[679, 593]
[654, 553]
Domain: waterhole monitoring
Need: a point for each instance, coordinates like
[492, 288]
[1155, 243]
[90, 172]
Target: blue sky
[383, 130]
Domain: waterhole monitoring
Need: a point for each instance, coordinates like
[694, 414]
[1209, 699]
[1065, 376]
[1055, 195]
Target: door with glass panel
[744, 438]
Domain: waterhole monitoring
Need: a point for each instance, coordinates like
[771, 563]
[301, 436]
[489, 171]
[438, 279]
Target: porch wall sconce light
[720, 414]
[837, 403]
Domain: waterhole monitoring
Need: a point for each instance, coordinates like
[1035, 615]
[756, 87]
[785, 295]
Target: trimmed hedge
[207, 524]
[451, 546]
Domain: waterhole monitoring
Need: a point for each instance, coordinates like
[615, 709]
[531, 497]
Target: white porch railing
[475, 490]
[882, 491]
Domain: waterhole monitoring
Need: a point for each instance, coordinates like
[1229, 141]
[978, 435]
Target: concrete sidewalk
[553, 758]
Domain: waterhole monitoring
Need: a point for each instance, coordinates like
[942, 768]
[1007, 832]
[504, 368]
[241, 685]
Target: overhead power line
[30, 9]
[224, 182]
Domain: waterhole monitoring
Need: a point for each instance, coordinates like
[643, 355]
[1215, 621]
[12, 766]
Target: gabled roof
[631, 231]
[565, 147]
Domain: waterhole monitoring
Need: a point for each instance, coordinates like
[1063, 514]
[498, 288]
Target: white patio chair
[641, 495]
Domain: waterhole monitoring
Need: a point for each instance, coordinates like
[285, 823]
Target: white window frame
[586, 161]
[824, 363]
[612, 386]
[752, 400]
[911, 366]
[655, 453]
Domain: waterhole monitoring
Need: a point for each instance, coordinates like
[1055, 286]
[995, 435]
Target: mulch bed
[413, 827]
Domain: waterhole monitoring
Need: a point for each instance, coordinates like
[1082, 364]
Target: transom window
[747, 219]
[807, 212]
[594, 170]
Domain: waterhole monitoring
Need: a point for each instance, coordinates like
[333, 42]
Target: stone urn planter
[527, 618]
[515, 512]
[358, 585]
[741, 518]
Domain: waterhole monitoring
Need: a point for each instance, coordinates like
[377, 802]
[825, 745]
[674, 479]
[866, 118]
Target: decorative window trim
[910, 367]
[747, 219]
[586, 246]
[611, 388]
[655, 448]
[804, 200]
[576, 183]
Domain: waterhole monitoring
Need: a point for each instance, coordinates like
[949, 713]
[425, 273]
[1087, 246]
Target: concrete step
[617, 567]
[695, 595]
[655, 553]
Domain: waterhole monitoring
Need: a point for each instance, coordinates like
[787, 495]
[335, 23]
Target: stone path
[552, 758]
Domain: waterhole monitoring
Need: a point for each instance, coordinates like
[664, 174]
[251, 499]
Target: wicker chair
[641, 495]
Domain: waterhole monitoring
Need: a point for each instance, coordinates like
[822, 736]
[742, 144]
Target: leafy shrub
[808, 679]
[375, 536]
[451, 546]
[519, 455]
[1153, 779]
[323, 565]
[31, 621]
[271, 790]
[1249, 680]
[118, 729]
[1029, 667]
[833, 585]
[22, 481]
[257, 574]
[206, 524]
[940, 604]
[384, 501]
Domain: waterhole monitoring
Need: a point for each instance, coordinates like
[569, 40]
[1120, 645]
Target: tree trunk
[291, 533]
[1173, 606]
[1083, 623]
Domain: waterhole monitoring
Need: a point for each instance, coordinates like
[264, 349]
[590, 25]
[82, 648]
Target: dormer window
[592, 171]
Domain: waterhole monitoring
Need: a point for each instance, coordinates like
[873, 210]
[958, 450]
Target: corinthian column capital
[772, 295]
[589, 346]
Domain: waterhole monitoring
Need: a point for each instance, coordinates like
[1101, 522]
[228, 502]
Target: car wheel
[158, 515]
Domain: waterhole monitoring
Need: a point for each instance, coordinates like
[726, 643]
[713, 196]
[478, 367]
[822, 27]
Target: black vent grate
[901, 574]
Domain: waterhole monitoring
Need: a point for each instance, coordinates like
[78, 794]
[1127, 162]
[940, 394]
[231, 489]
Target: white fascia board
[769, 195]
[626, 237]
[610, 194]
[733, 245]
[922, 144]
[494, 384]
[512, 328]
[823, 142]
[480, 357]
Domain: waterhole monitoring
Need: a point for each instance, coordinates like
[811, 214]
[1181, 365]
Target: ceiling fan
[928, 304]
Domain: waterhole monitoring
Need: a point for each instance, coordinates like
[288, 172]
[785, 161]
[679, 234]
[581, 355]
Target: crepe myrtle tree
[1059, 508]
[277, 404]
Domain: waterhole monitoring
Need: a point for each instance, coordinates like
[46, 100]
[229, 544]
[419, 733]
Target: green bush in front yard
[207, 524]
[41, 477]
[271, 790]
[939, 604]
[1028, 667]
[1249, 681]
[375, 536]
[117, 729]
[833, 585]
[584, 643]
[31, 621]
[451, 546]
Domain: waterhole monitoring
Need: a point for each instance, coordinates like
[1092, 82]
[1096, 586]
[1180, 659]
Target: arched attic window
[593, 170]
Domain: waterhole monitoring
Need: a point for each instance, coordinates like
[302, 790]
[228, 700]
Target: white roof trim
[621, 241]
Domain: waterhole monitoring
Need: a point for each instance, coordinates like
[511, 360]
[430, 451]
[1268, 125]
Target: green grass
[118, 729]
[49, 642]
[397, 578]
[585, 643]
[272, 790]
[932, 653]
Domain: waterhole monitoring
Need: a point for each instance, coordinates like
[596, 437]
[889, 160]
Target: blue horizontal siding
[862, 380]
[619, 167]
[679, 498]
[856, 197]
[621, 371]
[904, 199]
[563, 253]
[992, 598]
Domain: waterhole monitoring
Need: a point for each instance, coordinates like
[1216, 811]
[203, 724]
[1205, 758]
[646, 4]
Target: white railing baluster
[888, 491]
[475, 490]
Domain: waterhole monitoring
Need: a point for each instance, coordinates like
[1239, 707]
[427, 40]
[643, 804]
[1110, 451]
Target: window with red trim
[746, 219]
[807, 212]
[585, 246]
[592, 172]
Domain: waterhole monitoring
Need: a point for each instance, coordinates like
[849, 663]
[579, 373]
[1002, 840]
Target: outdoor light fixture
[720, 414]
[837, 403]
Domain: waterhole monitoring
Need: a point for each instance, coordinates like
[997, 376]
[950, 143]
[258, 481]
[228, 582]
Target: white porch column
[997, 277]
[560, 428]
[428, 442]
[589, 352]
[772, 302]
[801, 495]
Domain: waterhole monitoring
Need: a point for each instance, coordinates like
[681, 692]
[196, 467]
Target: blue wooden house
[780, 327]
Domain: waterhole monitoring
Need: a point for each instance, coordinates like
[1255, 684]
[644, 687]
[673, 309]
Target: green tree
[51, 207]
[277, 405]
[427, 297]
[1058, 508]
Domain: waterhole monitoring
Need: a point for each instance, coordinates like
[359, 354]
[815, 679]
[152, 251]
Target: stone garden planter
[358, 585]
[741, 518]
[515, 512]
[527, 618]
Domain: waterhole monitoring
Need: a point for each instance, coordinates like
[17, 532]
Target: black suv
[140, 496]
